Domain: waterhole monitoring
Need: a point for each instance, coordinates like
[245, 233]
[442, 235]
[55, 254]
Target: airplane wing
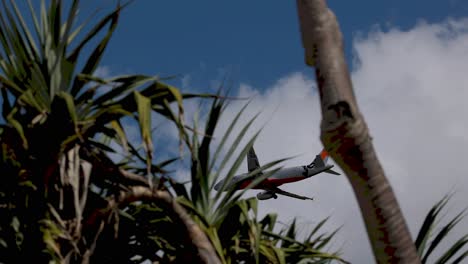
[332, 172]
[285, 193]
[252, 160]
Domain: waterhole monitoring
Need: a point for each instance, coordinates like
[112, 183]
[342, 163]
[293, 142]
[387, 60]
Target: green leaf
[70, 107]
[291, 233]
[120, 133]
[17, 125]
[230, 152]
[428, 224]
[179, 189]
[190, 206]
[213, 235]
[327, 239]
[95, 57]
[453, 250]
[37, 25]
[11, 86]
[314, 231]
[460, 258]
[24, 28]
[101, 146]
[213, 118]
[442, 234]
[226, 135]
[144, 121]
[128, 83]
[269, 221]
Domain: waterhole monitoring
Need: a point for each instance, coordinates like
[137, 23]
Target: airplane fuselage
[280, 177]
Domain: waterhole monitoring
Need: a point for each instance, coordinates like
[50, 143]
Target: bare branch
[199, 239]
[103, 166]
[346, 137]
[132, 177]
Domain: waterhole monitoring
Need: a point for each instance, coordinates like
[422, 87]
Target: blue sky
[256, 41]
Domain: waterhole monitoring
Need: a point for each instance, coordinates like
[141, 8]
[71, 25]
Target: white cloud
[185, 81]
[102, 72]
[412, 88]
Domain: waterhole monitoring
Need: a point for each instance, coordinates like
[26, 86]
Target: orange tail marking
[323, 154]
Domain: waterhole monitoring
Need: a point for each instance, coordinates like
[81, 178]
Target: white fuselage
[286, 175]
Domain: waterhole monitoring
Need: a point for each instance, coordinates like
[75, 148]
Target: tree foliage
[427, 243]
[62, 197]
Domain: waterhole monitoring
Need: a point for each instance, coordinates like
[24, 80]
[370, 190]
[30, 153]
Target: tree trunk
[346, 137]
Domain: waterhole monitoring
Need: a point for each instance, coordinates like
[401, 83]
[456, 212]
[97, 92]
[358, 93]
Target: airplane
[280, 177]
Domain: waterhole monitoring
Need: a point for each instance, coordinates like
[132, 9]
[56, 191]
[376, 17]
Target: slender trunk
[346, 137]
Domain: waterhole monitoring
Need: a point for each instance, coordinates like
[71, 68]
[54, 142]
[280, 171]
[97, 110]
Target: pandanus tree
[61, 190]
[65, 197]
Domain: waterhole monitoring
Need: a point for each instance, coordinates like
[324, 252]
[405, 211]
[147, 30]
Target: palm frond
[427, 244]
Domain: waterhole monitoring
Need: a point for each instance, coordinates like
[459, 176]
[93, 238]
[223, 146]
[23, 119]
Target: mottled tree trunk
[346, 137]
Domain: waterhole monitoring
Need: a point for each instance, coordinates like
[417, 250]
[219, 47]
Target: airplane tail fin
[320, 161]
[252, 160]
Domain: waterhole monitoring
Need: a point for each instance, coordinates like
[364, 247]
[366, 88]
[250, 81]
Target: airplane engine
[266, 195]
